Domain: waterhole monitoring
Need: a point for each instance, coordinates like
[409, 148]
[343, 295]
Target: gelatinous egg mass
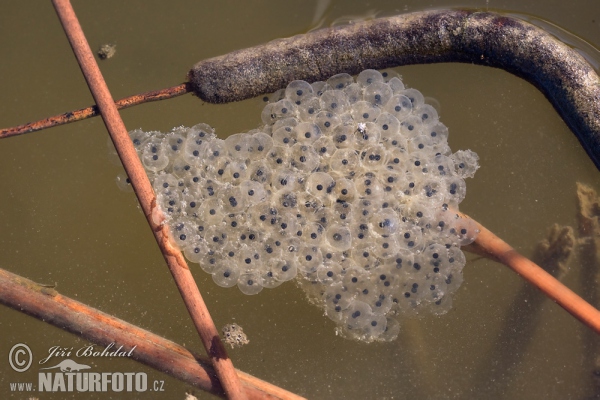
[348, 186]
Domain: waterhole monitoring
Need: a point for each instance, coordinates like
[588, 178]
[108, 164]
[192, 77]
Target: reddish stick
[159, 353]
[92, 111]
[490, 245]
[141, 185]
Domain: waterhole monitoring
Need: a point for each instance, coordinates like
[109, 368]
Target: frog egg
[182, 233]
[309, 109]
[319, 88]
[195, 250]
[339, 237]
[389, 74]
[411, 238]
[259, 171]
[174, 143]
[235, 173]
[283, 270]
[432, 191]
[299, 91]
[202, 130]
[278, 157]
[285, 200]
[273, 247]
[214, 152]
[325, 148]
[342, 212]
[387, 222]
[336, 298]
[379, 302]
[252, 192]
[354, 93]
[367, 134]
[285, 179]
[261, 143]
[364, 256]
[210, 211]
[389, 126]
[368, 77]
[456, 190]
[344, 190]
[276, 111]
[358, 315]
[309, 258]
[216, 236]
[369, 187]
[373, 157]
[463, 231]
[377, 93]
[436, 288]
[339, 82]
[180, 167]
[237, 145]
[329, 274]
[395, 84]
[154, 157]
[434, 258]
[261, 214]
[343, 136]
[226, 276]
[421, 144]
[345, 162]
[210, 261]
[286, 226]
[268, 276]
[353, 279]
[361, 233]
[441, 306]
[335, 102]
[428, 115]
[401, 264]
[442, 166]
[411, 126]
[251, 258]
[399, 106]
[232, 199]
[166, 185]
[123, 182]
[208, 188]
[416, 98]
[320, 185]
[311, 233]
[139, 138]
[307, 132]
[466, 163]
[304, 157]
[363, 111]
[284, 136]
[375, 327]
[326, 121]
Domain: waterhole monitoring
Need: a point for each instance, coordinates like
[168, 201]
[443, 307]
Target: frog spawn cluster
[349, 185]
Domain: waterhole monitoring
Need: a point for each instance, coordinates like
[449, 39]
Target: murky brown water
[63, 220]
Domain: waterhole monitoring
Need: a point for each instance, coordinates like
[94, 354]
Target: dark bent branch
[564, 76]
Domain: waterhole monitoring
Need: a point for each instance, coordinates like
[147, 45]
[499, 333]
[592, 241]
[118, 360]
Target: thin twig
[48, 305]
[143, 190]
[491, 245]
[92, 111]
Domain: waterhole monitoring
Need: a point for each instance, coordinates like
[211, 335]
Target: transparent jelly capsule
[326, 122]
[259, 171]
[154, 157]
[272, 247]
[202, 131]
[285, 200]
[463, 231]
[174, 143]
[307, 132]
[368, 77]
[399, 106]
[319, 88]
[259, 145]
[428, 114]
[387, 222]
[377, 93]
[330, 273]
[320, 185]
[312, 233]
[195, 250]
[232, 199]
[283, 270]
[182, 233]
[369, 187]
[354, 93]
[411, 126]
[411, 238]
[285, 179]
[299, 91]
[339, 236]
[325, 148]
[358, 315]
[139, 138]
[304, 157]
[431, 190]
[466, 163]
[389, 74]
[216, 236]
[180, 167]
[436, 288]
[309, 258]
[235, 173]
[337, 298]
[366, 134]
[226, 275]
[210, 211]
[250, 282]
[421, 144]
[373, 157]
[456, 190]
[261, 214]
[345, 162]
[391, 331]
[442, 166]
[237, 145]
[396, 84]
[342, 212]
[343, 136]
[416, 98]
[215, 152]
[278, 157]
[275, 111]
[252, 192]
[345, 190]
[309, 109]
[363, 111]
[389, 126]
[334, 101]
[434, 258]
[339, 81]
[268, 275]
[441, 306]
[364, 255]
[375, 326]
